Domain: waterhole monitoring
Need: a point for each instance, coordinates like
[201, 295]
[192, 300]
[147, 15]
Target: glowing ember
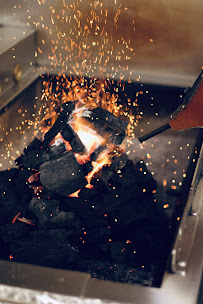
[75, 194]
[27, 221]
[90, 139]
[16, 217]
[103, 159]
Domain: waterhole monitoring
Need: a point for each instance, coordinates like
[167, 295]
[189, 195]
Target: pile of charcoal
[116, 220]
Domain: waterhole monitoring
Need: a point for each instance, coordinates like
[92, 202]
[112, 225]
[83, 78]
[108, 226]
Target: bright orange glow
[103, 159]
[27, 221]
[68, 146]
[75, 194]
[82, 159]
[165, 206]
[90, 139]
[89, 186]
[16, 217]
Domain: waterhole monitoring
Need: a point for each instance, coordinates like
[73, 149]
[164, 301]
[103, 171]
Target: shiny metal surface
[17, 61]
[11, 35]
[16, 123]
[166, 35]
[186, 233]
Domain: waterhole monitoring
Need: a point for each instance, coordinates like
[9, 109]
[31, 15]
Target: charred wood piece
[96, 152]
[88, 194]
[32, 154]
[8, 194]
[22, 183]
[81, 207]
[137, 177]
[77, 145]
[31, 159]
[34, 145]
[119, 161]
[49, 215]
[101, 179]
[10, 232]
[71, 136]
[25, 192]
[87, 167]
[108, 125]
[133, 212]
[4, 250]
[34, 158]
[44, 247]
[64, 175]
[56, 149]
[98, 235]
[60, 123]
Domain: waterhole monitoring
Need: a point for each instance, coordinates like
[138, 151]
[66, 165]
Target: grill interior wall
[172, 56]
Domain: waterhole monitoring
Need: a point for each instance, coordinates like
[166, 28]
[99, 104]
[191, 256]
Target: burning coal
[79, 197]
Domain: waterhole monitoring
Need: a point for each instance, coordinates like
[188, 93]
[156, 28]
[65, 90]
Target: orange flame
[90, 139]
[75, 194]
[103, 159]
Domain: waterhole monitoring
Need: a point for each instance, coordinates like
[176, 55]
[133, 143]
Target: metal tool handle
[155, 132]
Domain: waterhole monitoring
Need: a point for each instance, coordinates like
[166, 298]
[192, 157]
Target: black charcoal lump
[114, 220]
[33, 158]
[44, 247]
[108, 125]
[49, 215]
[8, 194]
[60, 123]
[63, 176]
[71, 136]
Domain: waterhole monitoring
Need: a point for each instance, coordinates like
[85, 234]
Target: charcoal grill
[181, 279]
